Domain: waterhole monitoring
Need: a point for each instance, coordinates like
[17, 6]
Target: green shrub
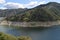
[10, 37]
[24, 38]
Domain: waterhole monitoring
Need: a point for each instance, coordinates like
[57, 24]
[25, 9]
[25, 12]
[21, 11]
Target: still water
[52, 33]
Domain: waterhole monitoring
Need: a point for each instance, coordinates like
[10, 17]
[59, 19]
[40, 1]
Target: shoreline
[30, 24]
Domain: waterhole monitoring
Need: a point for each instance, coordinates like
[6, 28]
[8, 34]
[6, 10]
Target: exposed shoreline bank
[30, 24]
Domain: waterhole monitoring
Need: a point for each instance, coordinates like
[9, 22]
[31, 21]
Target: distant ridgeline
[45, 12]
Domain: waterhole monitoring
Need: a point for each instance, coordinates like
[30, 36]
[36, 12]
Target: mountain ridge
[45, 12]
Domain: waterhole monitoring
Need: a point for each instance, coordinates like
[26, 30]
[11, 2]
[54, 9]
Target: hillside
[45, 12]
[11, 12]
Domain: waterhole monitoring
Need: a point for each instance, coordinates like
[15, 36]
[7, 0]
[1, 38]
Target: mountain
[45, 12]
[11, 12]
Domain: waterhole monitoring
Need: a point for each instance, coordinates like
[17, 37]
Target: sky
[14, 4]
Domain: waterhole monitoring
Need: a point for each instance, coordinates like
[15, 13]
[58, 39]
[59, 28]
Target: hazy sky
[4, 4]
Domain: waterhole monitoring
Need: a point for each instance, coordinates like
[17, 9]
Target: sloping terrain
[45, 12]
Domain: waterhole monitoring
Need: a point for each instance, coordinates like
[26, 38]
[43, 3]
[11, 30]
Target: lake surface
[52, 33]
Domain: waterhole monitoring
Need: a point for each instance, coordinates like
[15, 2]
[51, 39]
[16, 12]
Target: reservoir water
[52, 33]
